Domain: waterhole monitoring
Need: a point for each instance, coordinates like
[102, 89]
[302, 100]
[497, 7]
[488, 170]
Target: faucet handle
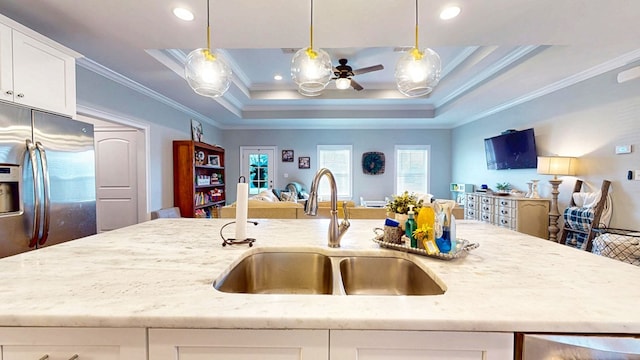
[345, 212]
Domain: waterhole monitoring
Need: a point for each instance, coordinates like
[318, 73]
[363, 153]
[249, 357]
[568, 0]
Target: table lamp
[555, 165]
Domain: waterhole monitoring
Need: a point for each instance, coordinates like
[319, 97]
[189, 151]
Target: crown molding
[558, 85]
[135, 86]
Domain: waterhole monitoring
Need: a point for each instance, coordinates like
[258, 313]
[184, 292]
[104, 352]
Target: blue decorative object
[373, 163]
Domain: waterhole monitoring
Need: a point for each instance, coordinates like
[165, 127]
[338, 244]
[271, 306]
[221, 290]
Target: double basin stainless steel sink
[312, 272]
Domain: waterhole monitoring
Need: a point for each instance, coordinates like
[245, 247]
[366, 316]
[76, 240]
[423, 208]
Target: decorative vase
[534, 189]
[402, 219]
[528, 194]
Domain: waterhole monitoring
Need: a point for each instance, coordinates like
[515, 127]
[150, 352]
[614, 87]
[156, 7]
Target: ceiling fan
[344, 74]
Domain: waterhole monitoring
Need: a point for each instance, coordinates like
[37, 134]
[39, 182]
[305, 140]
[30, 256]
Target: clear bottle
[444, 242]
[410, 226]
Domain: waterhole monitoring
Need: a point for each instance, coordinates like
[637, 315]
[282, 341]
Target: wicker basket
[619, 244]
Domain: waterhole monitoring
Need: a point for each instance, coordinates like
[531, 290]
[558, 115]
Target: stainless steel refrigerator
[47, 179]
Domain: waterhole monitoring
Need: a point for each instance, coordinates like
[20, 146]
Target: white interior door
[116, 178]
[258, 166]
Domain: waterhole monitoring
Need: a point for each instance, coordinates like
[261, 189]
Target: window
[412, 168]
[336, 158]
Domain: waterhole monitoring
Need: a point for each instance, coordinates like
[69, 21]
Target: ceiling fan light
[418, 75]
[207, 73]
[343, 83]
[311, 73]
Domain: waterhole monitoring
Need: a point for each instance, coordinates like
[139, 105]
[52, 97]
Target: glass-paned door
[257, 165]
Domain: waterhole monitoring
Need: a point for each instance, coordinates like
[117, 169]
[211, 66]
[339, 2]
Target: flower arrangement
[399, 204]
[422, 232]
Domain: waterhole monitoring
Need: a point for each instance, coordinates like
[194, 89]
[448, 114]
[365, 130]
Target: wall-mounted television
[511, 150]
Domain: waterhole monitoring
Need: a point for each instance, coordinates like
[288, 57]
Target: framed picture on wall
[196, 131]
[304, 162]
[287, 155]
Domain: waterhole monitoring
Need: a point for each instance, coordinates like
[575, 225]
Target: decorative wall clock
[373, 163]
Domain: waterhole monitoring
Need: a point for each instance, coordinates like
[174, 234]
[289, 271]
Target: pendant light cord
[208, 29]
[416, 25]
[311, 28]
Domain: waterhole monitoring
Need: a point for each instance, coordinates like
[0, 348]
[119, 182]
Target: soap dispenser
[410, 226]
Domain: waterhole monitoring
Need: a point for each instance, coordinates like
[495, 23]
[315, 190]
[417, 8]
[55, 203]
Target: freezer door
[65, 147]
[16, 226]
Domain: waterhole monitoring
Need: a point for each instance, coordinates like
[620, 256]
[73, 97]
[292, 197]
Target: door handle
[74, 357]
[47, 195]
[36, 194]
[44, 357]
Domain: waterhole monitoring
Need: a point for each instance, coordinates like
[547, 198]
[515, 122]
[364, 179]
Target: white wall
[586, 120]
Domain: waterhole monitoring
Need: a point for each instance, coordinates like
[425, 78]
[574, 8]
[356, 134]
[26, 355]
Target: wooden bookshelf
[198, 178]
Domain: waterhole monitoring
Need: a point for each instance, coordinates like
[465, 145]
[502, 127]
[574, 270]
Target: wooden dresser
[529, 216]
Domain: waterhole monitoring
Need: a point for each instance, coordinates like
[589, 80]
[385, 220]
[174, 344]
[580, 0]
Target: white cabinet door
[6, 64]
[72, 343]
[200, 344]
[422, 345]
[43, 77]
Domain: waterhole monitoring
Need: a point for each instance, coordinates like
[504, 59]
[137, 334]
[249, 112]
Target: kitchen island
[159, 274]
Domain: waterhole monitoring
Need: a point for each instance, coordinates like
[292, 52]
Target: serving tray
[462, 248]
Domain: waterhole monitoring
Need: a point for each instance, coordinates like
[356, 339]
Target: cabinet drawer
[505, 211]
[486, 200]
[506, 221]
[486, 208]
[486, 217]
[470, 214]
[472, 198]
[506, 202]
[31, 352]
[470, 205]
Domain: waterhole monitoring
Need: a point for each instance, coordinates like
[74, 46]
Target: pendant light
[206, 71]
[311, 68]
[418, 72]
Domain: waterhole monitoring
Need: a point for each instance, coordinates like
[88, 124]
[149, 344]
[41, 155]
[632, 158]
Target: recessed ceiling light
[450, 12]
[183, 14]
[277, 77]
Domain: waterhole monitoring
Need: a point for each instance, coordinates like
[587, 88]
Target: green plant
[505, 186]
[399, 204]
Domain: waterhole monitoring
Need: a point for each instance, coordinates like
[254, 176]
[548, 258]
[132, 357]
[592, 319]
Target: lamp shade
[418, 72]
[557, 165]
[207, 73]
[311, 70]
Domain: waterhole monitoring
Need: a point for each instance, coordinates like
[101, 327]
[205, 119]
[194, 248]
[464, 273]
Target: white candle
[242, 204]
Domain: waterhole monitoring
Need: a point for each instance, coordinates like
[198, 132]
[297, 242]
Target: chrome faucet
[311, 208]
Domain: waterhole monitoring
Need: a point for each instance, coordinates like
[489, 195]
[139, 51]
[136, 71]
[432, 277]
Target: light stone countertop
[160, 274]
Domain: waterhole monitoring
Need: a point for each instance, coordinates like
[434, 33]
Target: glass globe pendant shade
[343, 83]
[311, 70]
[418, 72]
[207, 73]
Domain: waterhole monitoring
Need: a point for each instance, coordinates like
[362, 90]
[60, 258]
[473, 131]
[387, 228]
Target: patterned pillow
[288, 196]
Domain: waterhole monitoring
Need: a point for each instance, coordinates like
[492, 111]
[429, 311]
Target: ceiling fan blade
[368, 69]
[355, 85]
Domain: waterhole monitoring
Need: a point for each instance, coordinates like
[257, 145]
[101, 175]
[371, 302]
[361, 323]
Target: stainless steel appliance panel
[16, 226]
[66, 150]
[583, 347]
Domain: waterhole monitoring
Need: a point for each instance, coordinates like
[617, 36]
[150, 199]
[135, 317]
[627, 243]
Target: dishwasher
[577, 347]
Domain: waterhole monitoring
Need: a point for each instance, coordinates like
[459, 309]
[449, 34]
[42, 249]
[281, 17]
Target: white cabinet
[72, 343]
[424, 345]
[36, 74]
[529, 216]
[201, 344]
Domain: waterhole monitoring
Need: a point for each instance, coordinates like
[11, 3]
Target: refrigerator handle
[36, 193]
[47, 195]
